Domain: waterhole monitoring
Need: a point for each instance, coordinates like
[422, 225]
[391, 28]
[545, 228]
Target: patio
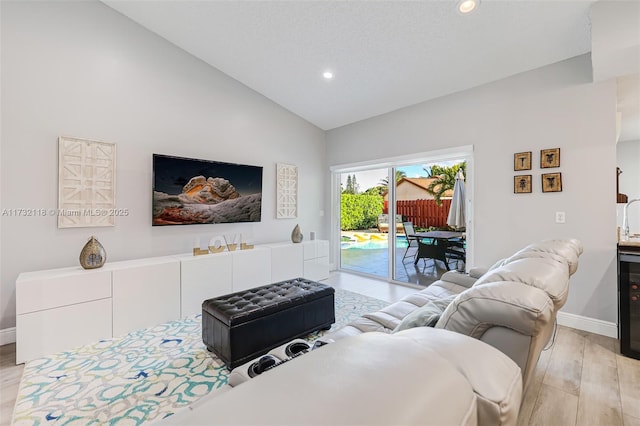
[375, 261]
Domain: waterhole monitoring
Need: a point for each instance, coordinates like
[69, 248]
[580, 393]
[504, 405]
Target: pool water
[401, 242]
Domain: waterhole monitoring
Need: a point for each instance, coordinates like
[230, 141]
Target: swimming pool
[401, 242]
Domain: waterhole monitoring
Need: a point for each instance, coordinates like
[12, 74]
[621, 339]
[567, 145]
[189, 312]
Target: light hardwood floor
[581, 380]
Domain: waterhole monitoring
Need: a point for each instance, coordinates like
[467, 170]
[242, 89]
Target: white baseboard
[7, 335]
[592, 325]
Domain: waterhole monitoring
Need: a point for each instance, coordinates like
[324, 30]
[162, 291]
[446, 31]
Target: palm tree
[445, 179]
[399, 175]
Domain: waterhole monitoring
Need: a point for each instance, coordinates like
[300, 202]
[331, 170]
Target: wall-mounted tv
[187, 191]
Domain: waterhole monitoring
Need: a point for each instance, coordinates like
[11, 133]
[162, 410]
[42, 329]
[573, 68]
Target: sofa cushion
[384, 319]
[566, 251]
[356, 327]
[507, 304]
[540, 272]
[425, 316]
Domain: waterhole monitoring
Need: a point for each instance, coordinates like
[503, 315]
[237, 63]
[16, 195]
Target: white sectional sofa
[511, 306]
[470, 369]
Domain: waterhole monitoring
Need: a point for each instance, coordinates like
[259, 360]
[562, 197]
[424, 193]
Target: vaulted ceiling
[384, 55]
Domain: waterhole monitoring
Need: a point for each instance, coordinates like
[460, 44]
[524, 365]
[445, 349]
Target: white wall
[628, 159]
[555, 106]
[81, 69]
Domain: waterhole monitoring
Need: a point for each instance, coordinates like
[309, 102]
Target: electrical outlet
[560, 217]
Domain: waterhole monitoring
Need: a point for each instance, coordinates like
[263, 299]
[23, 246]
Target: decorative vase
[93, 254]
[296, 235]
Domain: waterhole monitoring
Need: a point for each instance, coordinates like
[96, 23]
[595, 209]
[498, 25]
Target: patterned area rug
[144, 376]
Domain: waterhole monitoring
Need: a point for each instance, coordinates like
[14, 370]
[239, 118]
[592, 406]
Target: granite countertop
[634, 242]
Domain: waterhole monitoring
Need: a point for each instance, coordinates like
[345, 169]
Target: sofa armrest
[513, 317]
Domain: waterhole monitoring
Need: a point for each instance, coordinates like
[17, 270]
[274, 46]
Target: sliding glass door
[383, 220]
[364, 241]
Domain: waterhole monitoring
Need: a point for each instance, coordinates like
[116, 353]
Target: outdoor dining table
[439, 247]
[439, 235]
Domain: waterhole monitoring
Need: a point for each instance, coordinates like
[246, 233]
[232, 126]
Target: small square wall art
[522, 161]
[549, 158]
[522, 184]
[552, 182]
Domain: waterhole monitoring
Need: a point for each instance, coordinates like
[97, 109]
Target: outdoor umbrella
[456, 217]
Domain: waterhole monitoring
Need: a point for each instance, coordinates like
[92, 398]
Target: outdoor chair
[409, 234]
[456, 250]
[438, 249]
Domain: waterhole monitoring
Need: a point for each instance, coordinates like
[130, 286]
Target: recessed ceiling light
[468, 6]
[328, 75]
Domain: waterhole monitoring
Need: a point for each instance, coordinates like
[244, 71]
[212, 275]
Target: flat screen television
[187, 191]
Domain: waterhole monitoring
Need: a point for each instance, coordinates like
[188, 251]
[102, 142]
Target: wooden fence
[423, 213]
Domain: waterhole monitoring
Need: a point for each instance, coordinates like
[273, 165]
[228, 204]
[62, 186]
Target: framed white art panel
[86, 183]
[287, 191]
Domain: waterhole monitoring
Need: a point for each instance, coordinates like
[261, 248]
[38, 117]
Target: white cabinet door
[251, 268]
[54, 330]
[145, 295]
[316, 269]
[286, 261]
[316, 260]
[204, 277]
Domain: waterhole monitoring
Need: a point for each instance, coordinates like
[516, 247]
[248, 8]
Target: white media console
[60, 309]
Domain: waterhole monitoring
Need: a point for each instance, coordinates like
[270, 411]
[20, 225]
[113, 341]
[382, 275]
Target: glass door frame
[456, 153]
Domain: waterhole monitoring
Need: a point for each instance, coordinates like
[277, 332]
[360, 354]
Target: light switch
[560, 217]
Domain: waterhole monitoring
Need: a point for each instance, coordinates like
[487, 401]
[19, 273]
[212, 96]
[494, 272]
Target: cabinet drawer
[47, 332]
[56, 290]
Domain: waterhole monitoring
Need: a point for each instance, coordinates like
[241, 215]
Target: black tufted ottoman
[243, 325]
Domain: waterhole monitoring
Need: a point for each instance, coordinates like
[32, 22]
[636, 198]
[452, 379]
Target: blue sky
[371, 178]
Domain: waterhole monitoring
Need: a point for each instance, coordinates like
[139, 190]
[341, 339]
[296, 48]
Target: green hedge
[360, 211]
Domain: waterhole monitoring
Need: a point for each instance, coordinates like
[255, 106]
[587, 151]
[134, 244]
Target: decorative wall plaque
[287, 191]
[522, 184]
[522, 161]
[552, 182]
[549, 158]
[86, 183]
